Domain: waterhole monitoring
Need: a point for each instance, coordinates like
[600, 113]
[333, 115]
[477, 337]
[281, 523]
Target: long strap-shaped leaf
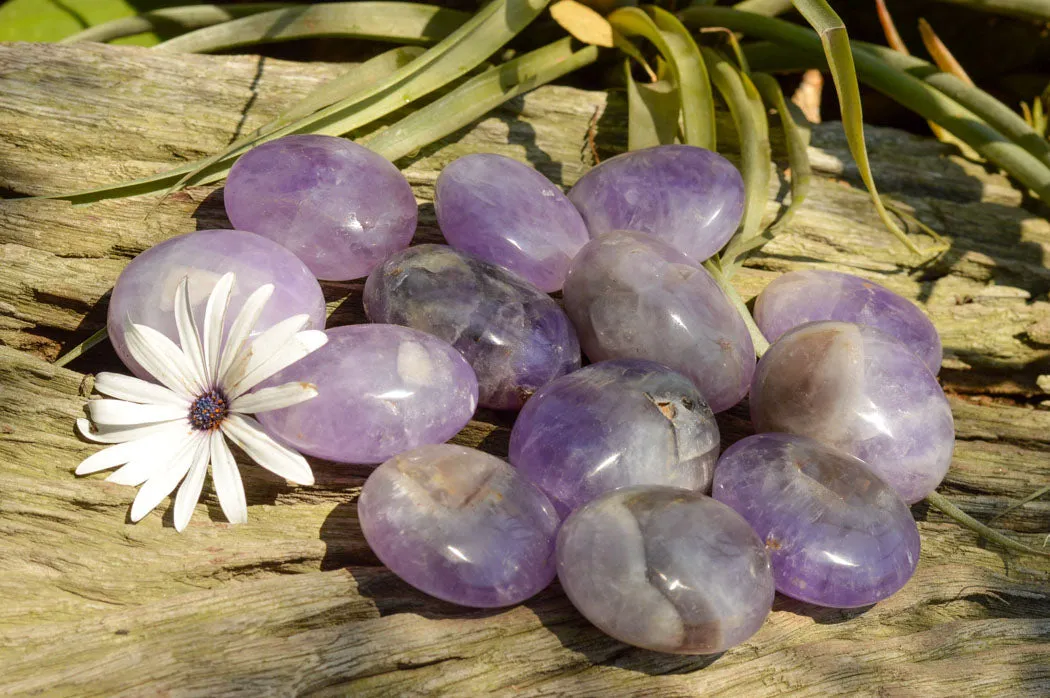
[652, 112]
[796, 139]
[489, 29]
[1029, 9]
[930, 103]
[687, 69]
[369, 72]
[840, 60]
[398, 22]
[476, 97]
[183, 18]
[919, 97]
[752, 126]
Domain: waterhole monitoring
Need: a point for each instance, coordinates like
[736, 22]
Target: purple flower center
[208, 411]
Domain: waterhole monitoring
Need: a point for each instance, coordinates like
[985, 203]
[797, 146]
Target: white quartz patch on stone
[414, 364]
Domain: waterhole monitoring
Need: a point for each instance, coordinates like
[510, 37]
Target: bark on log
[294, 602]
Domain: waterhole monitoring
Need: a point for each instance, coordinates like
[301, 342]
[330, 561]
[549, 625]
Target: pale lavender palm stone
[460, 525]
[145, 290]
[383, 389]
[614, 424]
[689, 197]
[337, 205]
[837, 535]
[633, 296]
[509, 214]
[812, 295]
[515, 337]
[665, 569]
[859, 390]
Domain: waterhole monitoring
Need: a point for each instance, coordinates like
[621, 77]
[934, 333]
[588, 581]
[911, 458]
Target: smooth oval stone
[337, 205]
[383, 389]
[509, 214]
[812, 295]
[460, 525]
[632, 296]
[665, 569]
[145, 290]
[837, 535]
[614, 424]
[689, 197]
[515, 337]
[859, 390]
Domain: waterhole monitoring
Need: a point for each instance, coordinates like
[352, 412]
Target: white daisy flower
[169, 433]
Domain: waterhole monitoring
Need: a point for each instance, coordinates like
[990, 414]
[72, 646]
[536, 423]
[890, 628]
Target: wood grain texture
[294, 602]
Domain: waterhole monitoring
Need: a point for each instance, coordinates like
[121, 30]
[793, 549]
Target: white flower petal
[162, 358]
[124, 452]
[263, 347]
[227, 479]
[214, 320]
[164, 481]
[242, 327]
[189, 339]
[117, 435]
[287, 354]
[190, 489]
[250, 436]
[274, 398]
[121, 413]
[137, 390]
[146, 465]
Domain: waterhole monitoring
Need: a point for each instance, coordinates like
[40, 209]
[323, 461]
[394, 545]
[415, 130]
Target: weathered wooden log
[294, 601]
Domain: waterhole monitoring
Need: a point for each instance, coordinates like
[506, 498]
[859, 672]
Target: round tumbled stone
[337, 205]
[813, 295]
[460, 525]
[632, 296]
[509, 214]
[688, 197]
[861, 391]
[383, 389]
[665, 569]
[515, 337]
[145, 290]
[837, 535]
[615, 424]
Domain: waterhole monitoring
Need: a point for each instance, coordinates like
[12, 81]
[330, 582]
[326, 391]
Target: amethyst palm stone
[665, 569]
[614, 424]
[812, 295]
[460, 525]
[145, 290]
[337, 205]
[689, 197]
[633, 296]
[837, 535]
[509, 214]
[857, 389]
[515, 337]
[383, 389]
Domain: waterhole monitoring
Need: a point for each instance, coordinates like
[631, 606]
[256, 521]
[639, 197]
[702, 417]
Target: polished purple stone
[460, 525]
[383, 389]
[515, 337]
[811, 295]
[689, 197]
[859, 390]
[614, 424]
[145, 290]
[837, 535]
[665, 569]
[509, 214]
[337, 205]
[633, 296]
